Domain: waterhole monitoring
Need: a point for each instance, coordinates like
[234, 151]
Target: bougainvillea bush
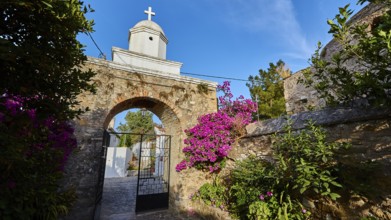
[34, 149]
[209, 142]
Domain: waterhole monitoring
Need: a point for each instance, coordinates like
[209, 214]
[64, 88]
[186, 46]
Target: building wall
[175, 99]
[117, 161]
[300, 98]
[367, 161]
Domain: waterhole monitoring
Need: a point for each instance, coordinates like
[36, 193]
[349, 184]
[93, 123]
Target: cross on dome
[150, 13]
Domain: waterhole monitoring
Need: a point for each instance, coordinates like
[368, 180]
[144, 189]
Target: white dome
[149, 24]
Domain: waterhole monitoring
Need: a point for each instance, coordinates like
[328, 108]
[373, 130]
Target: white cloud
[274, 17]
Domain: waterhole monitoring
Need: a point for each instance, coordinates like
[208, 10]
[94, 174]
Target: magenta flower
[304, 211]
[56, 137]
[262, 197]
[209, 142]
[13, 105]
[269, 194]
[181, 166]
[31, 113]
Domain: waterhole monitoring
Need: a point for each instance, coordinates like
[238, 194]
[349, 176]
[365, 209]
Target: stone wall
[175, 99]
[366, 164]
[300, 98]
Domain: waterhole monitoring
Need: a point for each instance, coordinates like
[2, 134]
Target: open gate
[153, 182]
[151, 154]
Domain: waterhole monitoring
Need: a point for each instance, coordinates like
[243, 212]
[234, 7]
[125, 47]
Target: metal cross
[150, 13]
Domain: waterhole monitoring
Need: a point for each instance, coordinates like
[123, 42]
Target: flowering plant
[303, 165]
[210, 141]
[34, 149]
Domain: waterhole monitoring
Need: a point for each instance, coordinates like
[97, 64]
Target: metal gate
[151, 155]
[153, 182]
[101, 175]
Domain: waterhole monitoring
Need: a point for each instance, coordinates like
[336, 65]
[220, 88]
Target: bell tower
[148, 38]
[147, 48]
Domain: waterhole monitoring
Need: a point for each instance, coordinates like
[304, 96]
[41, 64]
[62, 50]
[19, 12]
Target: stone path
[119, 202]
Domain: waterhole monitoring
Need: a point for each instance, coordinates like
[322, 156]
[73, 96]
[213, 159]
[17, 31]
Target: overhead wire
[217, 77]
[101, 54]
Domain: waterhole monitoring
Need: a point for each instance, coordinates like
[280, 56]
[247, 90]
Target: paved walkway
[119, 202]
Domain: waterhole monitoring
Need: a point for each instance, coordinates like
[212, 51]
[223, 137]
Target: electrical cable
[217, 77]
[101, 55]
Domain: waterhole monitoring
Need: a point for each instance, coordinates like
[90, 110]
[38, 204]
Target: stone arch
[175, 99]
[166, 113]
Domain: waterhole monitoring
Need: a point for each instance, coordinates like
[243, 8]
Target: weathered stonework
[366, 164]
[175, 99]
[300, 98]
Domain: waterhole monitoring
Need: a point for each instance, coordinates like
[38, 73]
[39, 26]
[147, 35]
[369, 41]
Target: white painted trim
[146, 57]
[149, 72]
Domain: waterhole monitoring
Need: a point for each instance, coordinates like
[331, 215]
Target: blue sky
[228, 38]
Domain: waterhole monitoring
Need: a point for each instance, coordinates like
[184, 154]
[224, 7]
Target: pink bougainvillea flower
[181, 166]
[209, 142]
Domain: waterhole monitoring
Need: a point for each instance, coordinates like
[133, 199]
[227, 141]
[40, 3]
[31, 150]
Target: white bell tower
[147, 48]
[148, 38]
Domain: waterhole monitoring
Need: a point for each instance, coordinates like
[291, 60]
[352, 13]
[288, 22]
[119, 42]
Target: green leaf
[47, 4]
[382, 33]
[336, 184]
[330, 22]
[334, 196]
[324, 159]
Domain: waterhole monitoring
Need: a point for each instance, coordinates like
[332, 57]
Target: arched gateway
[140, 77]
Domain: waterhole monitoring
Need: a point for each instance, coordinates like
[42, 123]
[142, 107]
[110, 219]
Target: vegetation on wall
[366, 46]
[268, 89]
[303, 165]
[209, 142]
[40, 60]
[202, 88]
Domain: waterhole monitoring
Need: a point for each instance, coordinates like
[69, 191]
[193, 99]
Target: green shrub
[335, 80]
[213, 194]
[302, 165]
[305, 161]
